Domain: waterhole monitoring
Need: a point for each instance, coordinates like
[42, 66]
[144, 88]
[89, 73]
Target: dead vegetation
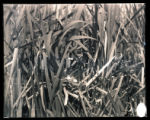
[73, 60]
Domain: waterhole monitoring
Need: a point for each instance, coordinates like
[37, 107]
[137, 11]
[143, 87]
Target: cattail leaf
[61, 102]
[17, 101]
[8, 64]
[121, 79]
[42, 96]
[142, 77]
[47, 75]
[28, 104]
[73, 24]
[75, 113]
[79, 11]
[14, 62]
[66, 96]
[50, 112]
[11, 13]
[101, 18]
[24, 68]
[114, 45]
[19, 88]
[105, 44]
[33, 108]
[58, 107]
[47, 42]
[81, 37]
[62, 60]
[73, 95]
[55, 89]
[87, 102]
[83, 104]
[96, 54]
[29, 21]
[77, 24]
[99, 72]
[101, 90]
[21, 13]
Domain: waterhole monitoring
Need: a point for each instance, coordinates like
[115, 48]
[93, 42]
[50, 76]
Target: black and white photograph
[74, 60]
